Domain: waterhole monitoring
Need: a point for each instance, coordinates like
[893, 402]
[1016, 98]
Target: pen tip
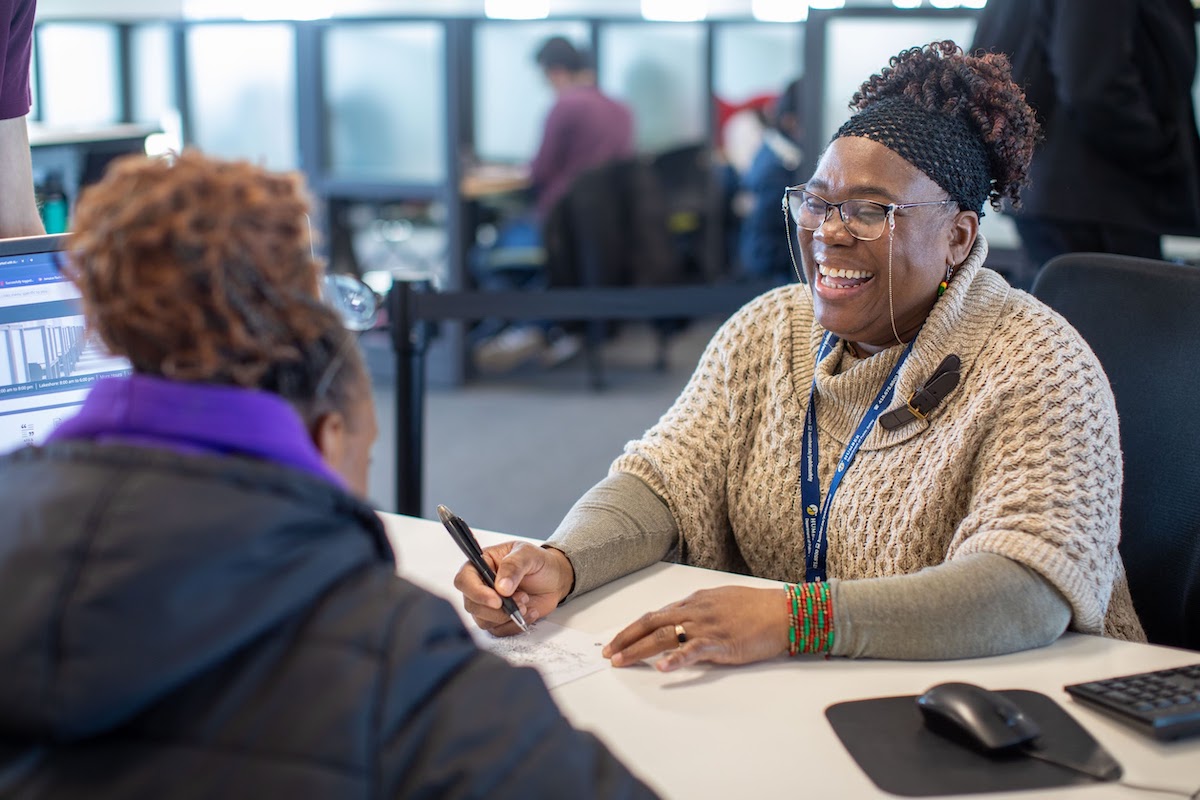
[444, 513]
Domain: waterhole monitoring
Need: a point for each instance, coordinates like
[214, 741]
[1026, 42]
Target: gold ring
[680, 634]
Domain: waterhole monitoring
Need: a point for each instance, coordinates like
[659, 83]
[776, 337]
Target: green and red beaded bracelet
[810, 610]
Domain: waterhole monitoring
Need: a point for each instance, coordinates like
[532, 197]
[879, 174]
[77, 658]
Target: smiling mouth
[842, 278]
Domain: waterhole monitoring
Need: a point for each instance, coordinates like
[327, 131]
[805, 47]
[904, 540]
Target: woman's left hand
[729, 625]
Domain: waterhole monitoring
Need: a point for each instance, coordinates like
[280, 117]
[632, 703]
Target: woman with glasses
[198, 602]
[926, 458]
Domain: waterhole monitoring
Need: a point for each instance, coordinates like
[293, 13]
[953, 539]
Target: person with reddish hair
[199, 601]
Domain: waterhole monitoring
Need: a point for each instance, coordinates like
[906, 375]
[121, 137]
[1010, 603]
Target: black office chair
[610, 230]
[686, 176]
[1142, 319]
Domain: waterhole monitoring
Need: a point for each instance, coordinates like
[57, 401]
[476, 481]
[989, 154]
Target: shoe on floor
[509, 349]
[561, 350]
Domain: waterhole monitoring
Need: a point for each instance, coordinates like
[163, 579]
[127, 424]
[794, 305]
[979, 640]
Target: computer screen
[47, 364]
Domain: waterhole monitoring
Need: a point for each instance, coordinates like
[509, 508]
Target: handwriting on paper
[560, 654]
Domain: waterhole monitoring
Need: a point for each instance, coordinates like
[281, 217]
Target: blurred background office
[413, 121]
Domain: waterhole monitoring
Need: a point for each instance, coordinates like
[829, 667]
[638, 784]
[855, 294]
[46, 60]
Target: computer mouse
[977, 717]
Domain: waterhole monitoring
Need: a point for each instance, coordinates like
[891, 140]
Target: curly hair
[977, 89]
[201, 270]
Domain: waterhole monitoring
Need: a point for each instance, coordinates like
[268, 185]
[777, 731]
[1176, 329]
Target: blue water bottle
[55, 208]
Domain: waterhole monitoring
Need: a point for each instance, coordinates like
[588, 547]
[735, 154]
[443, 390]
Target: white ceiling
[109, 9]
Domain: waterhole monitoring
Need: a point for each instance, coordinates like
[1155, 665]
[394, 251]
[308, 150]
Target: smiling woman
[926, 457]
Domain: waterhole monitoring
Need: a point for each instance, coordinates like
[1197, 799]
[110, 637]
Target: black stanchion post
[409, 339]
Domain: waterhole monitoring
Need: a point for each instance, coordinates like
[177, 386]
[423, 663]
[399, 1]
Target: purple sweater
[584, 129]
[195, 418]
[16, 40]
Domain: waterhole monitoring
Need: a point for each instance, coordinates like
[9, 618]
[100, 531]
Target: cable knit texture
[1022, 459]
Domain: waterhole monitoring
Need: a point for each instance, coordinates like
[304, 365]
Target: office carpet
[513, 452]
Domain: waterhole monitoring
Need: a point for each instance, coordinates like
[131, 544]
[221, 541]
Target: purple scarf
[195, 418]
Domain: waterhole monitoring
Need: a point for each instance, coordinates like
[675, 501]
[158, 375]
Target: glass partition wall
[511, 97]
[78, 82]
[660, 71]
[384, 114]
[385, 102]
[244, 106]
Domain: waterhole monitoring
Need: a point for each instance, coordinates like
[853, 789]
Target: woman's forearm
[977, 605]
[981, 604]
[619, 526]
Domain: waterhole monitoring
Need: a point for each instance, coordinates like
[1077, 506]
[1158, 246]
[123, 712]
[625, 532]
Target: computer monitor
[47, 364]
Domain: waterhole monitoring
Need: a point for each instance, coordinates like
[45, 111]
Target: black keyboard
[1164, 703]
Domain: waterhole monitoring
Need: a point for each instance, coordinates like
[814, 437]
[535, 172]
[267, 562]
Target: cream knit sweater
[1022, 459]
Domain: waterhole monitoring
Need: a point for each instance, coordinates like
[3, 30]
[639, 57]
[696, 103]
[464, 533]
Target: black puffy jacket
[194, 626]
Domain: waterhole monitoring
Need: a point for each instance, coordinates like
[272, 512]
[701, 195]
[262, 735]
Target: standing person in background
[1111, 82]
[583, 130]
[18, 208]
[762, 251]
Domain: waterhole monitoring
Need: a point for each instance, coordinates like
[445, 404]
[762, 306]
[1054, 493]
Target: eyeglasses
[865, 220]
[352, 299]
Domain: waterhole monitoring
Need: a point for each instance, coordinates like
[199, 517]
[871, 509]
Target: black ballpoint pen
[466, 541]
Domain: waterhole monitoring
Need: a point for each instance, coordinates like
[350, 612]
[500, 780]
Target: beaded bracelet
[810, 617]
[793, 617]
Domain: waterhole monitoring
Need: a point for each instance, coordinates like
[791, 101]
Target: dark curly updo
[957, 117]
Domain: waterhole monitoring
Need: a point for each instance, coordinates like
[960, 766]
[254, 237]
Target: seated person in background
[584, 129]
[197, 598]
[985, 525]
[740, 129]
[762, 252]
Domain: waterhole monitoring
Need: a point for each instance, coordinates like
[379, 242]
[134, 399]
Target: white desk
[760, 730]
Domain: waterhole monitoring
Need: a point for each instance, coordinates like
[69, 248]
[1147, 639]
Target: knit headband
[942, 146]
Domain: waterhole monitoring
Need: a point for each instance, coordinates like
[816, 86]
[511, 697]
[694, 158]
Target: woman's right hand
[537, 578]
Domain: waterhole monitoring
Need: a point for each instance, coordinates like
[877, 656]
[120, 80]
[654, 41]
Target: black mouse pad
[888, 738]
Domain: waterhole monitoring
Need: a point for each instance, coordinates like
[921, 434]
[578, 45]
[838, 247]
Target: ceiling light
[516, 9]
[258, 9]
[779, 10]
[675, 10]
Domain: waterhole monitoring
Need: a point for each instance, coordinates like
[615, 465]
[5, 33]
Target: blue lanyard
[816, 513]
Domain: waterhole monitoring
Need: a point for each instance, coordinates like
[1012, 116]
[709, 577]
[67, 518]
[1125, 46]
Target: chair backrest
[688, 177]
[1142, 319]
[610, 230]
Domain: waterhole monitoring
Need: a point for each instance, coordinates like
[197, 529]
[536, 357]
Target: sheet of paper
[560, 654]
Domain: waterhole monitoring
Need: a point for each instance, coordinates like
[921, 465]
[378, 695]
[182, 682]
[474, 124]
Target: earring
[942, 286]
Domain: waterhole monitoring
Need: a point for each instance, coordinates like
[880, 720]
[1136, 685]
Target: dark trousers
[1044, 239]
